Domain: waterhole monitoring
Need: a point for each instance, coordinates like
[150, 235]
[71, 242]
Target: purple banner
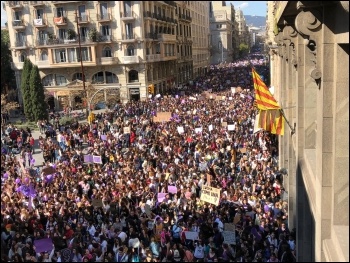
[42, 245]
[172, 189]
[161, 197]
[88, 158]
[97, 159]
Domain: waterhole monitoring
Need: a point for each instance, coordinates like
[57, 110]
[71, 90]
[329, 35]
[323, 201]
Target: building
[184, 63]
[309, 57]
[254, 33]
[199, 12]
[222, 31]
[243, 31]
[126, 45]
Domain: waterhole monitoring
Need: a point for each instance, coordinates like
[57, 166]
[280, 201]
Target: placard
[210, 195]
[230, 227]
[161, 197]
[230, 98]
[103, 137]
[224, 124]
[97, 159]
[210, 128]
[96, 203]
[243, 150]
[126, 130]
[162, 116]
[231, 127]
[191, 235]
[198, 130]
[180, 130]
[42, 245]
[89, 158]
[229, 237]
[233, 90]
[48, 170]
[239, 89]
[172, 189]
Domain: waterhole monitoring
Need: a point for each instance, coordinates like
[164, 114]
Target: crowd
[118, 207]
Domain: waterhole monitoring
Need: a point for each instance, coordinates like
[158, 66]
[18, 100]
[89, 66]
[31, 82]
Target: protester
[140, 192]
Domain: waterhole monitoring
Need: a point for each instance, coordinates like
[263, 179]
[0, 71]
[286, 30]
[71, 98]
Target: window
[104, 10]
[85, 54]
[98, 78]
[39, 14]
[78, 76]
[62, 33]
[22, 57]
[48, 80]
[127, 8]
[107, 52]
[60, 55]
[129, 31]
[158, 48]
[44, 56]
[106, 30]
[82, 13]
[59, 12]
[111, 77]
[130, 51]
[61, 80]
[133, 76]
[84, 32]
[17, 16]
[72, 56]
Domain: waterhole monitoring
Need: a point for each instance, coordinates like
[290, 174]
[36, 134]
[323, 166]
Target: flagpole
[290, 126]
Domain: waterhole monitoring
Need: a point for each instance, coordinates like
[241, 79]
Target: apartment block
[243, 30]
[125, 45]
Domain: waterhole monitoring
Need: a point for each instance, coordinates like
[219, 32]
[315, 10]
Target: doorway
[134, 94]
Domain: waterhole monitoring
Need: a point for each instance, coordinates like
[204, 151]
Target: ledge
[336, 249]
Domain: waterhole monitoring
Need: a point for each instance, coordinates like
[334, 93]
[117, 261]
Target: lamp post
[81, 63]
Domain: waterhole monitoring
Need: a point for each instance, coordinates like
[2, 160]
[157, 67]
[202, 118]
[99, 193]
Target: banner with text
[210, 194]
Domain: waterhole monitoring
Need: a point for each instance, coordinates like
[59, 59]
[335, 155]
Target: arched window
[98, 78]
[111, 77]
[48, 80]
[78, 76]
[22, 57]
[61, 80]
[107, 52]
[44, 56]
[130, 51]
[133, 76]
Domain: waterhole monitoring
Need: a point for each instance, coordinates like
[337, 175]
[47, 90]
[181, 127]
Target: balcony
[18, 25]
[129, 38]
[109, 60]
[153, 36]
[37, 3]
[171, 3]
[153, 58]
[147, 14]
[64, 2]
[43, 63]
[166, 37]
[83, 19]
[130, 59]
[103, 18]
[129, 16]
[40, 22]
[185, 17]
[22, 44]
[105, 38]
[15, 4]
[61, 42]
[60, 21]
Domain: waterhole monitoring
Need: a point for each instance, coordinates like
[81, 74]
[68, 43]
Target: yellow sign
[210, 195]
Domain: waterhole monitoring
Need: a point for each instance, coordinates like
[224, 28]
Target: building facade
[126, 45]
[243, 31]
[309, 57]
[222, 32]
[199, 13]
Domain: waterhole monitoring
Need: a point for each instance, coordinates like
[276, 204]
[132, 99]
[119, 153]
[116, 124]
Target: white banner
[210, 194]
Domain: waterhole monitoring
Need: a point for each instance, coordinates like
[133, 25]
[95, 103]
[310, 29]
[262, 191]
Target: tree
[39, 105]
[6, 105]
[7, 74]
[25, 89]
[243, 50]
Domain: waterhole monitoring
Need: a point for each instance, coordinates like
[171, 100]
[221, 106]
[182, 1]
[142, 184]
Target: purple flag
[43, 245]
[32, 191]
[172, 189]
[49, 178]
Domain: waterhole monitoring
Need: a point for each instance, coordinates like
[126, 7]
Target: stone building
[243, 31]
[309, 57]
[126, 45]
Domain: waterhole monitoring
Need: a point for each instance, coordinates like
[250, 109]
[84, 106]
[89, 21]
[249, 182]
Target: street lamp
[81, 63]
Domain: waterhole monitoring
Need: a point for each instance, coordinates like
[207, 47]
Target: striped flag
[270, 116]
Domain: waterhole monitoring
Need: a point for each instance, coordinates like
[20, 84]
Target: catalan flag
[270, 117]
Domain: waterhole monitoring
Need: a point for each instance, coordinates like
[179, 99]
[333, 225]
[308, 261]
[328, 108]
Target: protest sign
[198, 130]
[233, 90]
[231, 127]
[48, 170]
[210, 195]
[243, 150]
[230, 227]
[224, 124]
[97, 159]
[104, 137]
[42, 245]
[229, 237]
[172, 189]
[210, 128]
[191, 235]
[161, 197]
[238, 89]
[229, 98]
[89, 158]
[162, 116]
[96, 203]
[180, 130]
[126, 130]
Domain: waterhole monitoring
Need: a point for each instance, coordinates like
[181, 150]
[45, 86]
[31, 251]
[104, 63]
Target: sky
[257, 8]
